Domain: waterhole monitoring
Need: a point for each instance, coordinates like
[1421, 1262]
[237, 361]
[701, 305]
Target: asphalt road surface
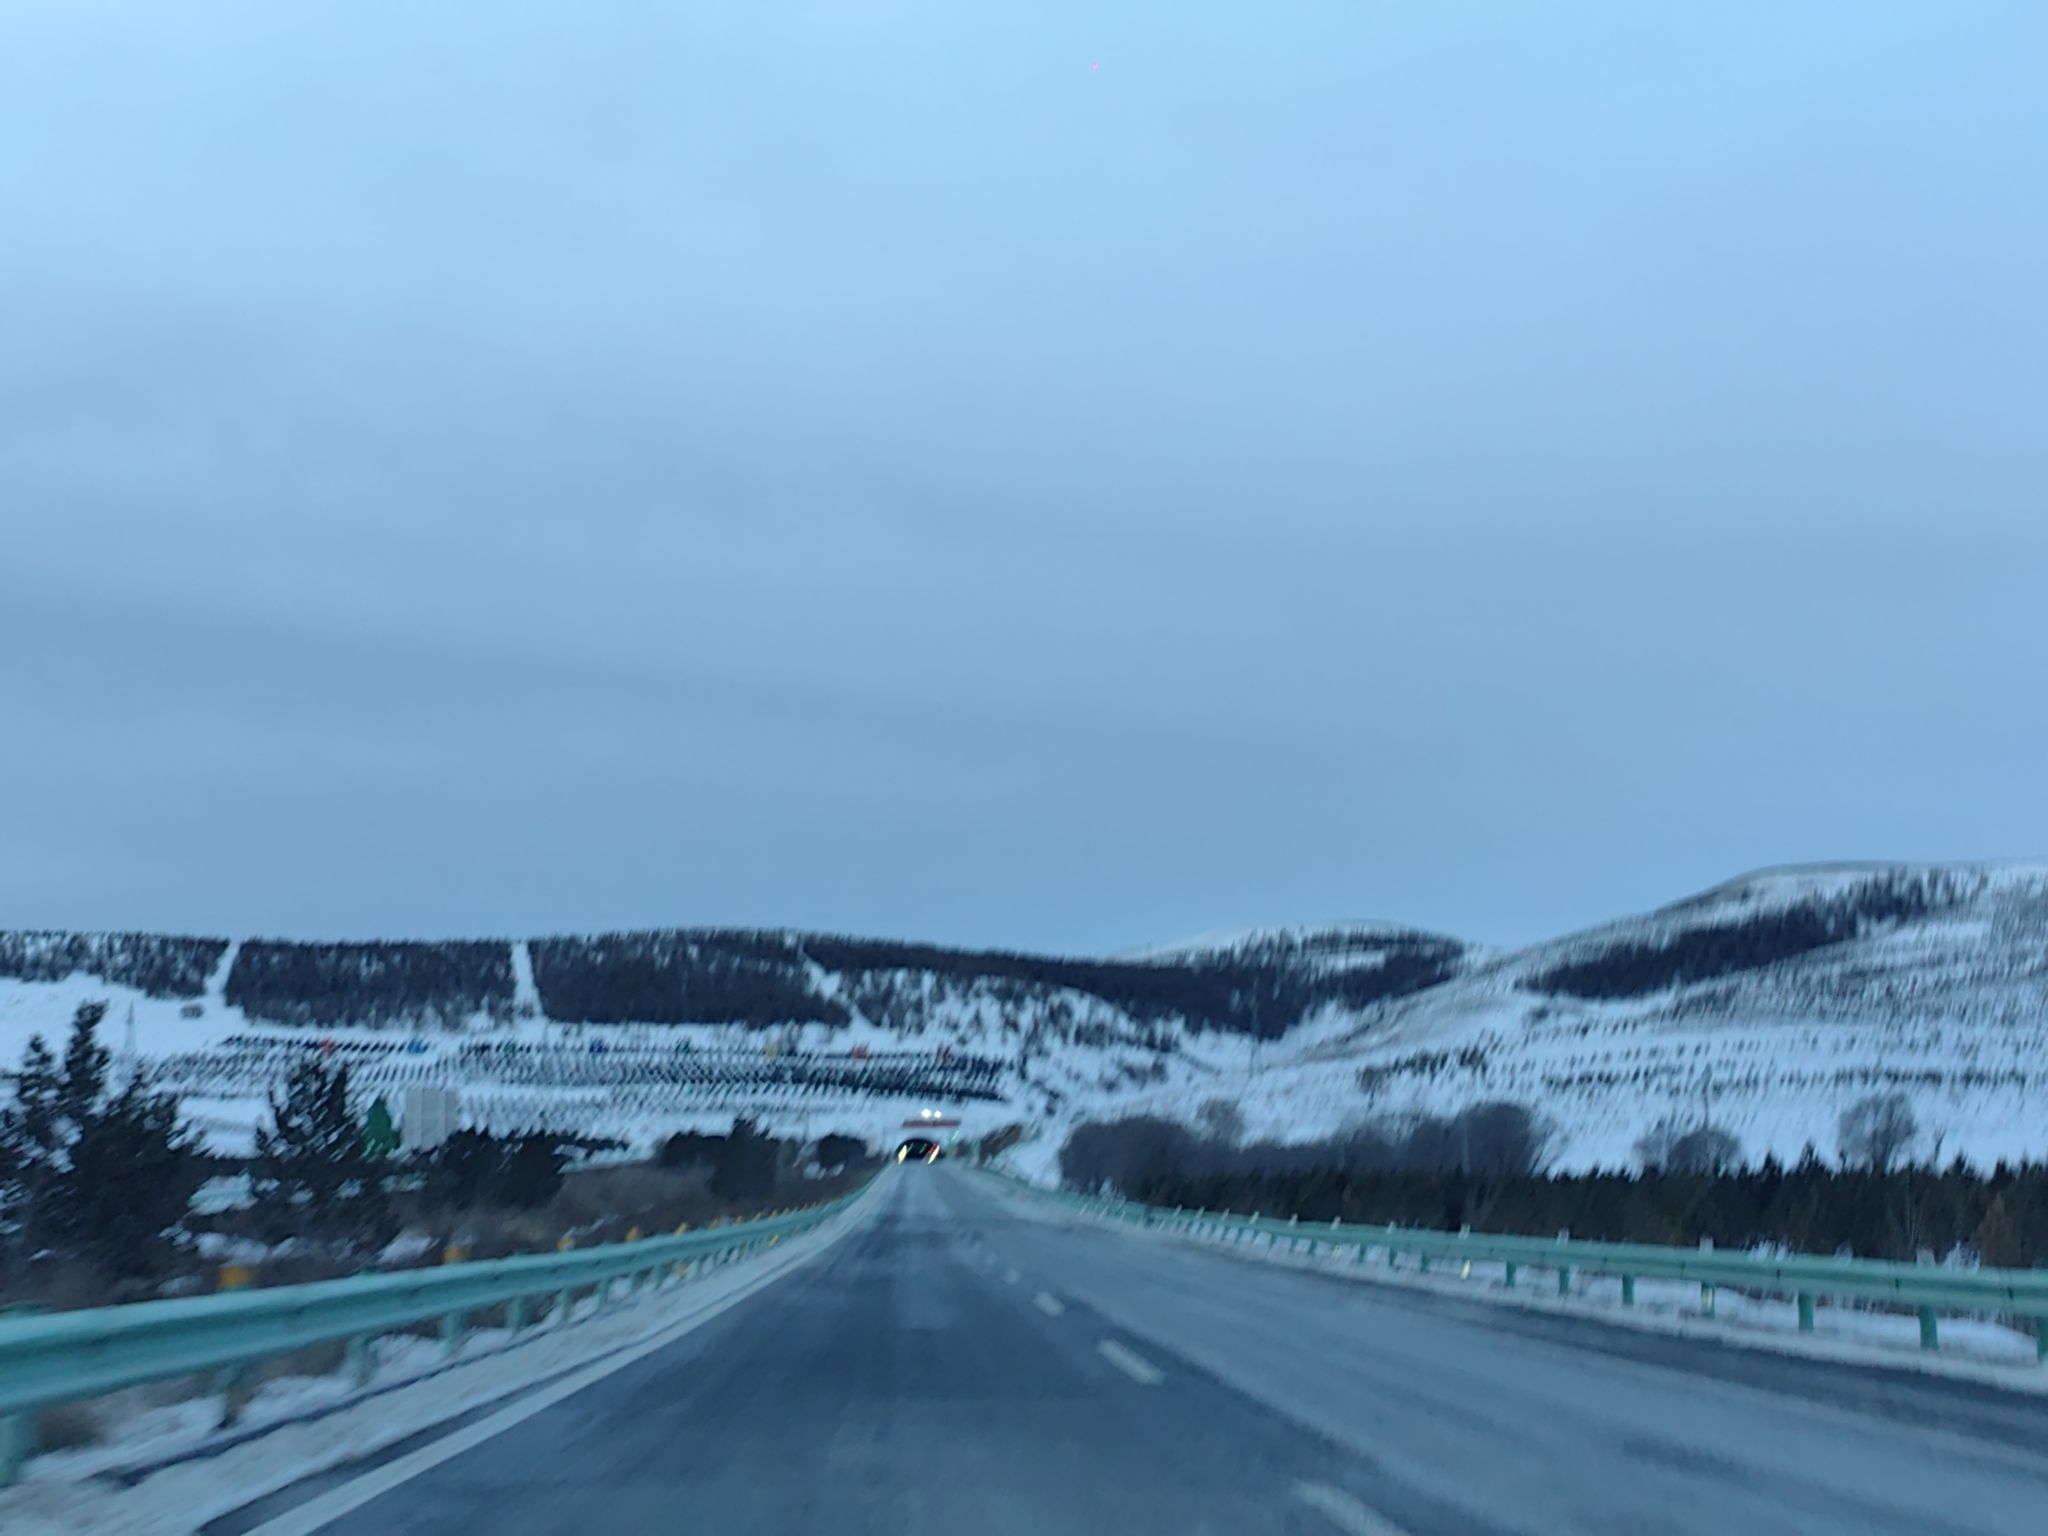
[967, 1363]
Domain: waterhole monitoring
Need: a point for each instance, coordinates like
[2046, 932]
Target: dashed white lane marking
[1011, 1277]
[1048, 1303]
[1135, 1366]
[1343, 1511]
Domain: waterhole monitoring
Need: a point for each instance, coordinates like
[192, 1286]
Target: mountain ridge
[1769, 1001]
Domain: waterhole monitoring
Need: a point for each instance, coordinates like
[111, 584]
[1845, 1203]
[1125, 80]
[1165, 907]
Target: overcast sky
[1054, 475]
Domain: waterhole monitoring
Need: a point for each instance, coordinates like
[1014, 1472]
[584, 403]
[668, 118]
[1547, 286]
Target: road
[966, 1362]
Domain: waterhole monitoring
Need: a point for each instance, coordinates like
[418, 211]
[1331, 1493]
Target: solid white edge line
[1133, 1365]
[1343, 1511]
[323, 1509]
[1048, 1303]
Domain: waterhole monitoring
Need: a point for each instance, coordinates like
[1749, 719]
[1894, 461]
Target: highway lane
[1556, 1424]
[966, 1362]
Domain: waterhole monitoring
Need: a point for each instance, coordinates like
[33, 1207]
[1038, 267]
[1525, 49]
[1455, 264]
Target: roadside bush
[746, 1166]
[690, 1149]
[838, 1150]
[473, 1168]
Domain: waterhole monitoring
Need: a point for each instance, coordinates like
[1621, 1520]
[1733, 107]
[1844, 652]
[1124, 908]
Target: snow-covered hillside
[1771, 1003]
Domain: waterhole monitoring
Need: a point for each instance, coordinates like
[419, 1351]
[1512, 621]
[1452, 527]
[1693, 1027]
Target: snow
[221, 1248]
[406, 1247]
[1035, 1161]
[46, 1007]
[1678, 1306]
[216, 994]
[525, 993]
[1951, 1009]
[224, 1194]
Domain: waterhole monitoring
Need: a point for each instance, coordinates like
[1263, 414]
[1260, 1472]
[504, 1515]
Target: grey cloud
[877, 471]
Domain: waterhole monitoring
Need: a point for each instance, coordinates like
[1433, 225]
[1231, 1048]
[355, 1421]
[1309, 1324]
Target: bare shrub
[67, 1426]
[1222, 1122]
[1670, 1146]
[1877, 1131]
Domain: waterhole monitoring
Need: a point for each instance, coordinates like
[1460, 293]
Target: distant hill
[1769, 1003]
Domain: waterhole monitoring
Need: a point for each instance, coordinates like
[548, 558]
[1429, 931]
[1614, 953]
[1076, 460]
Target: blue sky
[1056, 475]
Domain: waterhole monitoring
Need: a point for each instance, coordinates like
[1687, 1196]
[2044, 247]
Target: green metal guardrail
[67, 1356]
[1925, 1288]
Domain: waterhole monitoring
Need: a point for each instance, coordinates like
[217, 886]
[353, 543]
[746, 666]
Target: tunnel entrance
[922, 1148]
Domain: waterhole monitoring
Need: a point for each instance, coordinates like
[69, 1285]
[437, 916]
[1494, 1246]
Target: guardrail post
[1564, 1280]
[565, 1301]
[1422, 1261]
[362, 1360]
[2041, 1338]
[17, 1440]
[229, 1385]
[1511, 1274]
[1628, 1290]
[451, 1333]
[1806, 1311]
[1706, 1299]
[515, 1315]
[1928, 1337]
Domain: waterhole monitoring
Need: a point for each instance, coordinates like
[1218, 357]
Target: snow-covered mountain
[1770, 1003]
